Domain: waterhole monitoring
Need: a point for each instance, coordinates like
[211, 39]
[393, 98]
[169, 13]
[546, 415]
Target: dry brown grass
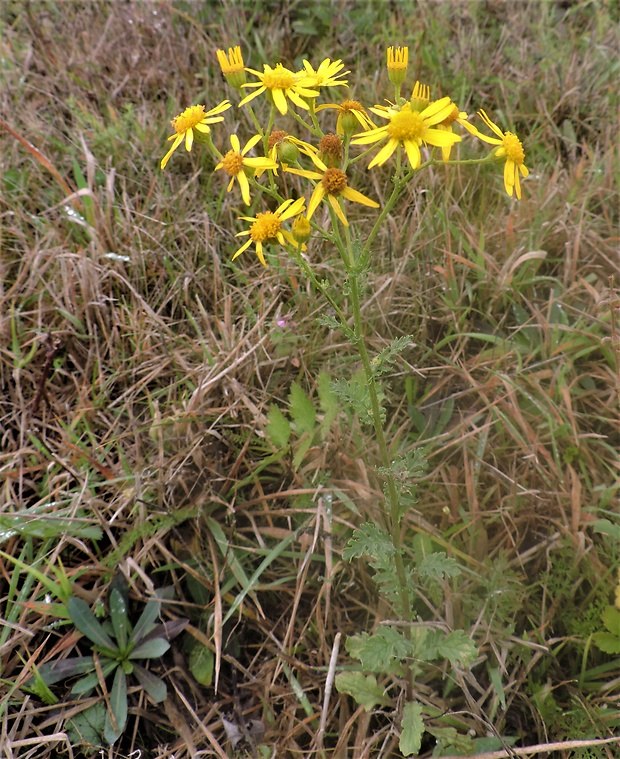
[134, 391]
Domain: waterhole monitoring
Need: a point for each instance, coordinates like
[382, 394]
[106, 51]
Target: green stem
[392, 513]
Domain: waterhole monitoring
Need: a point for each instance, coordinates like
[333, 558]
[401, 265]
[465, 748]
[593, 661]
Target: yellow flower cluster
[414, 127]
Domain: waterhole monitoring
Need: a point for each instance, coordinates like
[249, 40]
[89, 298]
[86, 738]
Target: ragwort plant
[415, 134]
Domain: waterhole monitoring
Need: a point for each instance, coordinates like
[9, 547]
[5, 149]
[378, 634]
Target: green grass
[138, 366]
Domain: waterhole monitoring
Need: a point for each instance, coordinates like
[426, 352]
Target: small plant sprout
[119, 650]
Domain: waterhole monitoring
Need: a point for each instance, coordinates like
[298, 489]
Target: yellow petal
[333, 201]
[350, 194]
[317, 197]
[384, 153]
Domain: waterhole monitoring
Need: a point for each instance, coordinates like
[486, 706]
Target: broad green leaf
[116, 721]
[86, 728]
[147, 620]
[611, 620]
[605, 527]
[437, 566]
[412, 729]
[155, 687]
[364, 689]
[607, 642]
[278, 429]
[458, 647]
[381, 651]
[368, 540]
[302, 409]
[120, 620]
[87, 624]
[150, 649]
[201, 663]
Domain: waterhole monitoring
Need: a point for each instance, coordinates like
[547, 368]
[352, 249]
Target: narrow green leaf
[266, 562]
[365, 690]
[87, 624]
[303, 447]
[61, 587]
[147, 620]
[412, 729]
[55, 671]
[155, 687]
[120, 620]
[85, 684]
[150, 649]
[116, 721]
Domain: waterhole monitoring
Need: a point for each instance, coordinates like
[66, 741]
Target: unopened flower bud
[232, 66]
[330, 150]
[397, 64]
[301, 229]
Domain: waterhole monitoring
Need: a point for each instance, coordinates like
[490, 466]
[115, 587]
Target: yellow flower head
[332, 184]
[397, 64]
[281, 83]
[409, 129]
[327, 74]
[351, 116]
[235, 162]
[232, 66]
[192, 118]
[510, 148]
[267, 228]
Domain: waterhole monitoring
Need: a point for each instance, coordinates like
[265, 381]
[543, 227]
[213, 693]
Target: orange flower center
[278, 78]
[351, 105]
[266, 227]
[232, 163]
[276, 137]
[406, 125]
[514, 148]
[452, 117]
[330, 147]
[189, 118]
[334, 181]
